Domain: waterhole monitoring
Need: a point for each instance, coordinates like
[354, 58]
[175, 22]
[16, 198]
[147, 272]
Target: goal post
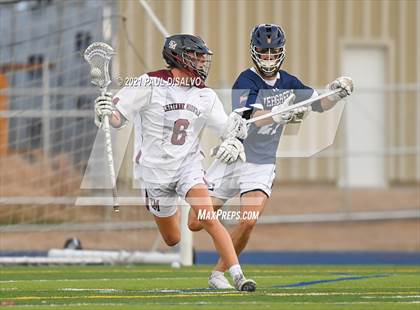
[187, 26]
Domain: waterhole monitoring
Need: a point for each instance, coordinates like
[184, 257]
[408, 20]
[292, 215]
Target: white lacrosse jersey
[167, 121]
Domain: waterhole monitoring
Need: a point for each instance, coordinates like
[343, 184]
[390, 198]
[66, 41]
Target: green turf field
[160, 287]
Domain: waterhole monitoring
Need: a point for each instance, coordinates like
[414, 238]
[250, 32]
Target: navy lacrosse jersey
[252, 91]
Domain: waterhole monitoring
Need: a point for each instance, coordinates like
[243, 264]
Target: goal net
[46, 136]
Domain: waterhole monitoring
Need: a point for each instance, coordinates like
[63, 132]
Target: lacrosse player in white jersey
[169, 109]
[259, 90]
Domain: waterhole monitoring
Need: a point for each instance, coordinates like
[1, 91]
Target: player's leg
[192, 187]
[255, 182]
[161, 201]
[251, 202]
[169, 228]
[220, 185]
[217, 279]
[193, 222]
[200, 201]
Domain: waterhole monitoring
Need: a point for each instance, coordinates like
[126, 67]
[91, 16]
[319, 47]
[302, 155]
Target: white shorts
[226, 181]
[162, 199]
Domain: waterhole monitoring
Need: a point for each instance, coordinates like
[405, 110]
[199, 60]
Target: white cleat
[219, 282]
[243, 284]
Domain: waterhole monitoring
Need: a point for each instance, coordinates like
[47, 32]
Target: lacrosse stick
[304, 103]
[98, 55]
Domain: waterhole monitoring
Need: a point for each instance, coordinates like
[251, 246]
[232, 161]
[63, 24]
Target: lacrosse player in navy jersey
[261, 89]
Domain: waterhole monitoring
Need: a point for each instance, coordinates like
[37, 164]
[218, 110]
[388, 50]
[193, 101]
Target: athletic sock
[216, 273]
[235, 271]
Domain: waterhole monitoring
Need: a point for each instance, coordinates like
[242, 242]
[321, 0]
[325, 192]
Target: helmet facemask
[197, 63]
[268, 60]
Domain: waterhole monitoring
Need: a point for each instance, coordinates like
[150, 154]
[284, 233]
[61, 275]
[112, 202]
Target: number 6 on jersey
[179, 133]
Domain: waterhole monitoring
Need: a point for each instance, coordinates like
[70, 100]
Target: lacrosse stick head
[98, 55]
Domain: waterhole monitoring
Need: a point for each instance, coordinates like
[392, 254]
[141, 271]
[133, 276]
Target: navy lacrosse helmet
[268, 48]
[188, 52]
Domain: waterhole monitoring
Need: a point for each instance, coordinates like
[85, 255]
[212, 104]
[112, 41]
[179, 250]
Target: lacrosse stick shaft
[108, 144]
[110, 156]
[294, 106]
[307, 102]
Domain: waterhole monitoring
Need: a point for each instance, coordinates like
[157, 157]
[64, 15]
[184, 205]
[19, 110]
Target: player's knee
[172, 240]
[247, 225]
[208, 223]
[193, 222]
[195, 225]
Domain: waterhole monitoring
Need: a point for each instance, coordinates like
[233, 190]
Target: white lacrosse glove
[235, 127]
[284, 118]
[230, 150]
[103, 107]
[344, 83]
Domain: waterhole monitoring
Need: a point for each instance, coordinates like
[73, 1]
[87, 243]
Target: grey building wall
[56, 32]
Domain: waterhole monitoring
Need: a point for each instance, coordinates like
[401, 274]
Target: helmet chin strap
[194, 71]
[270, 66]
[189, 76]
[263, 74]
[267, 75]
